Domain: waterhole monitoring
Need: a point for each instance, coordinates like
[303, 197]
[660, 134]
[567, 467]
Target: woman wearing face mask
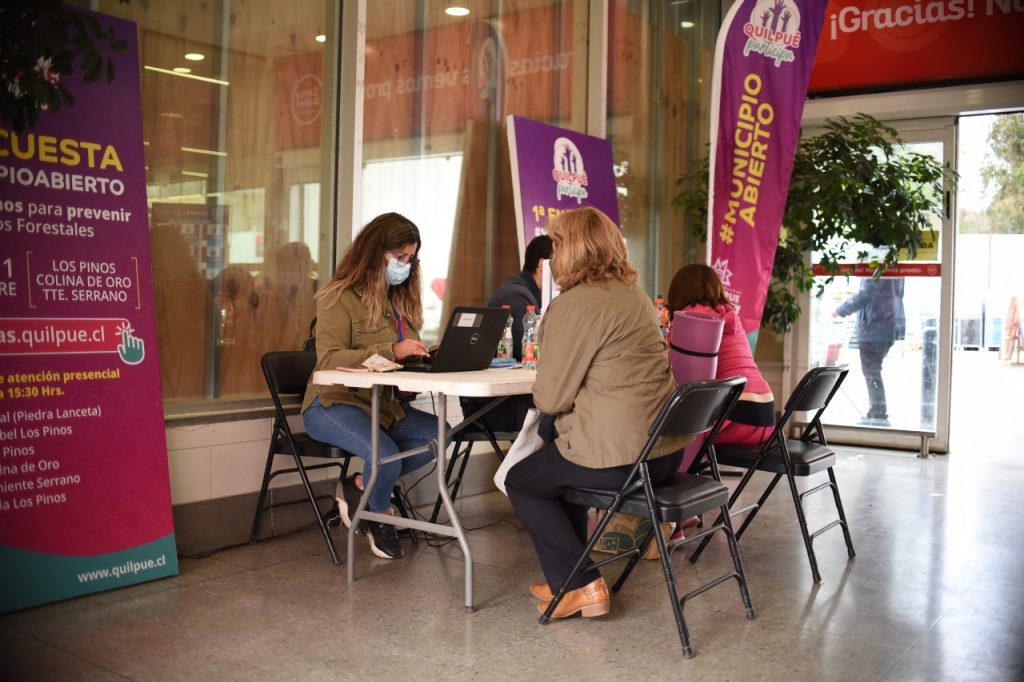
[371, 306]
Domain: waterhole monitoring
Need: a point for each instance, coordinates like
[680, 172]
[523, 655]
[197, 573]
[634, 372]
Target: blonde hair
[362, 269]
[588, 249]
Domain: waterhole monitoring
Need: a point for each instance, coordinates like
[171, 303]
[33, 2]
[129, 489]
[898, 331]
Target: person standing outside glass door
[881, 321]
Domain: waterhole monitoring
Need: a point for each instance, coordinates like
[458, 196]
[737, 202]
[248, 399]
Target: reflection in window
[235, 178]
[241, 188]
[437, 93]
[659, 80]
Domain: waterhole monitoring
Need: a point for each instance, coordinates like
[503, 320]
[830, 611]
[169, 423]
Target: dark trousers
[872, 353]
[559, 529]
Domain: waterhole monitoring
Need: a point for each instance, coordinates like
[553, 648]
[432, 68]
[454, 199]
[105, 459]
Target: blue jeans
[348, 427]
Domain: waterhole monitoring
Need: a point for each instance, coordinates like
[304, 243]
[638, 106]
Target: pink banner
[763, 62]
[85, 500]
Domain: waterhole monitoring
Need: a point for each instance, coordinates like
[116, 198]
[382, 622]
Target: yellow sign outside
[929, 249]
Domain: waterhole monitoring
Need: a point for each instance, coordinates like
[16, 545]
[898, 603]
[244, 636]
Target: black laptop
[468, 343]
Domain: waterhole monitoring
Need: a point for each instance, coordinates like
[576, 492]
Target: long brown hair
[588, 249]
[362, 269]
[696, 284]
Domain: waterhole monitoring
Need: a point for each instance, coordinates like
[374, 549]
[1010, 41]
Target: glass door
[893, 332]
[988, 351]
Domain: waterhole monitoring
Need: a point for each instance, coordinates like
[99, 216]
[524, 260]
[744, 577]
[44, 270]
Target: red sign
[898, 270]
[895, 43]
[300, 95]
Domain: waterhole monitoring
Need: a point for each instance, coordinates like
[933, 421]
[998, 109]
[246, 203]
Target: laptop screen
[470, 339]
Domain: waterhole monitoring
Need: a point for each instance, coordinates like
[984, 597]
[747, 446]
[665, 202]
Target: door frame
[913, 113]
[943, 130]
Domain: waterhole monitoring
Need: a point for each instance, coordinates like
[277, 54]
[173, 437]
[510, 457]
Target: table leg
[442, 486]
[367, 484]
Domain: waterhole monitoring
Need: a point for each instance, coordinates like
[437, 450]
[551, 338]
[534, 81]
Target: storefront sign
[898, 270]
[763, 60]
[874, 44]
[554, 170]
[84, 494]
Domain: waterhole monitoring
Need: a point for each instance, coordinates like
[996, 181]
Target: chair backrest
[812, 394]
[287, 372]
[816, 389]
[697, 407]
[310, 343]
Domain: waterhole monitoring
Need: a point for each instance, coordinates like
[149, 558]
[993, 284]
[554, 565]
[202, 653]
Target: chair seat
[678, 499]
[474, 434]
[808, 458]
[310, 447]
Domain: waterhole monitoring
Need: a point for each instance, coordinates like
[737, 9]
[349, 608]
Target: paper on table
[374, 363]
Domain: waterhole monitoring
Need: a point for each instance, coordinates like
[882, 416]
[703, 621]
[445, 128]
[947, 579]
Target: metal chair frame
[693, 408]
[287, 373]
[805, 456]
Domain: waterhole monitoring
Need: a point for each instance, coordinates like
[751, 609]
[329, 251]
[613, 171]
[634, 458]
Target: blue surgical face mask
[397, 271]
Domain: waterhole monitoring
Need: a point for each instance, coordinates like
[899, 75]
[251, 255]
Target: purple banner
[554, 170]
[84, 491]
[763, 62]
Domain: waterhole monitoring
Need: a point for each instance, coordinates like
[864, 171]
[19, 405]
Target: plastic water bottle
[505, 345]
[663, 313]
[531, 350]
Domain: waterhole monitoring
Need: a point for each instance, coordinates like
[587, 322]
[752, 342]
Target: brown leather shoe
[541, 591]
[588, 601]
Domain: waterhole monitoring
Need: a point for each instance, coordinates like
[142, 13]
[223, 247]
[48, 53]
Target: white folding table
[487, 383]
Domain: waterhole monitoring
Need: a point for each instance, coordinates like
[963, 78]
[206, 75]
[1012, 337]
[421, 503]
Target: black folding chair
[693, 408]
[806, 456]
[287, 373]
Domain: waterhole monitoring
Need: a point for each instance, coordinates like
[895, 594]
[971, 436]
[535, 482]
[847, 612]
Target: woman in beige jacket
[603, 375]
[371, 306]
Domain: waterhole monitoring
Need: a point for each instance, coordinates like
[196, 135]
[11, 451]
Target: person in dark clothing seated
[517, 292]
[523, 289]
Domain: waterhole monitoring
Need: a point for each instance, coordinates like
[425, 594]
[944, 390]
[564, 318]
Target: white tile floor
[933, 594]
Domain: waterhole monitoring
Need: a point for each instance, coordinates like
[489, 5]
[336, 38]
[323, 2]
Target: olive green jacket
[344, 338]
[604, 372]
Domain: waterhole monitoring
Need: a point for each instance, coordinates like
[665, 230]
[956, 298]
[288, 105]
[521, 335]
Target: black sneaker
[348, 496]
[384, 540]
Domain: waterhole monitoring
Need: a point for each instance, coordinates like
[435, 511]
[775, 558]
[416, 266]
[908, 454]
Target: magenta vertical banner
[84, 493]
[763, 62]
[554, 170]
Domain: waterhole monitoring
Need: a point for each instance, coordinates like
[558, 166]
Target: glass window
[240, 166]
[437, 91]
[659, 80]
[235, 102]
